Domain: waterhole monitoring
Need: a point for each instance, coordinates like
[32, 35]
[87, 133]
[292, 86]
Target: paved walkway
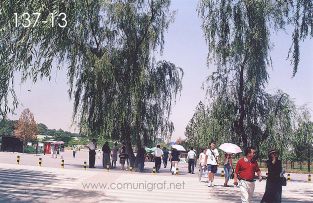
[28, 182]
[21, 183]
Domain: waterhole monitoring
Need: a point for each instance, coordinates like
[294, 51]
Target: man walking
[212, 161]
[165, 156]
[191, 160]
[92, 153]
[245, 170]
[157, 158]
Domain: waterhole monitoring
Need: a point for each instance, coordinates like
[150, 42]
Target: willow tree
[119, 90]
[238, 36]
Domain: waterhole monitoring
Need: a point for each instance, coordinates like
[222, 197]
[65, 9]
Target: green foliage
[280, 126]
[42, 129]
[7, 127]
[30, 150]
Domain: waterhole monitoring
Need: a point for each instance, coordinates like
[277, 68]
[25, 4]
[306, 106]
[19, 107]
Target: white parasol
[230, 148]
[179, 147]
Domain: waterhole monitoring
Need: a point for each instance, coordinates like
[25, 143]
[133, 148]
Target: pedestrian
[127, 152]
[212, 161]
[140, 158]
[228, 165]
[55, 151]
[122, 157]
[273, 189]
[165, 156]
[191, 156]
[114, 155]
[202, 163]
[245, 170]
[92, 153]
[174, 158]
[74, 151]
[106, 155]
[158, 153]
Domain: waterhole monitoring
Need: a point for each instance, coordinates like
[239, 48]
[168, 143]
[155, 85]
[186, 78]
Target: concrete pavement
[28, 182]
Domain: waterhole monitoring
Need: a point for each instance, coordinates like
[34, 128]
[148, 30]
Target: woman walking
[123, 157]
[228, 165]
[273, 188]
[174, 160]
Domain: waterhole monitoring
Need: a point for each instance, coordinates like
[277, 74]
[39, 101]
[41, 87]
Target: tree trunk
[309, 159]
[300, 165]
[240, 130]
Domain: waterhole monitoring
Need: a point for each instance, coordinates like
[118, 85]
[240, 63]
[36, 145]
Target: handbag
[283, 181]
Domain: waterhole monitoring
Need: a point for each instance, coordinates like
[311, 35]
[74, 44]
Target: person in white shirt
[158, 153]
[92, 153]
[191, 160]
[212, 161]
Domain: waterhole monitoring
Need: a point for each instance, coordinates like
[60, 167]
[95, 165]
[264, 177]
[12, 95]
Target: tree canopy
[238, 36]
[119, 90]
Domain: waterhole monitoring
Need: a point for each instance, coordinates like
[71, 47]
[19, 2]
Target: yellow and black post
[222, 173]
[85, 165]
[40, 161]
[288, 177]
[131, 169]
[153, 170]
[177, 171]
[309, 178]
[18, 159]
[62, 163]
[108, 167]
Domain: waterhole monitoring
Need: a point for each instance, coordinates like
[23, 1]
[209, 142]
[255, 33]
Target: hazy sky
[184, 46]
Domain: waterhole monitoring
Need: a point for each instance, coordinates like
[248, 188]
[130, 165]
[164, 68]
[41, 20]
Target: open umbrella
[179, 147]
[230, 148]
[150, 150]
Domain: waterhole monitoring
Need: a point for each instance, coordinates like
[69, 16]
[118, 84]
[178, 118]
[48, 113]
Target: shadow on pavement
[19, 185]
[227, 194]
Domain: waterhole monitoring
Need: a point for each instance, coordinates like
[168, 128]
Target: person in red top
[245, 171]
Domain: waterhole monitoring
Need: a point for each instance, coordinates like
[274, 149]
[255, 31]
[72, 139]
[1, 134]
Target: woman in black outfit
[273, 188]
[174, 158]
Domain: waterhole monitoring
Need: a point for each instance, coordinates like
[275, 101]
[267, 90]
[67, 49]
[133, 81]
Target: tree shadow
[19, 185]
[227, 194]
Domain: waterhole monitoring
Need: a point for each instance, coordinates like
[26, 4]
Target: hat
[272, 151]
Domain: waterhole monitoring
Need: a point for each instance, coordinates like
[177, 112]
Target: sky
[185, 46]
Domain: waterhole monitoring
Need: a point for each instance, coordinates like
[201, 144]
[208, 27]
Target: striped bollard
[177, 171]
[153, 170]
[18, 159]
[85, 165]
[309, 178]
[222, 173]
[62, 163]
[288, 177]
[131, 169]
[108, 167]
[40, 161]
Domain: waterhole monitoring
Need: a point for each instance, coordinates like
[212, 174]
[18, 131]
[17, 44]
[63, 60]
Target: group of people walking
[164, 155]
[243, 173]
